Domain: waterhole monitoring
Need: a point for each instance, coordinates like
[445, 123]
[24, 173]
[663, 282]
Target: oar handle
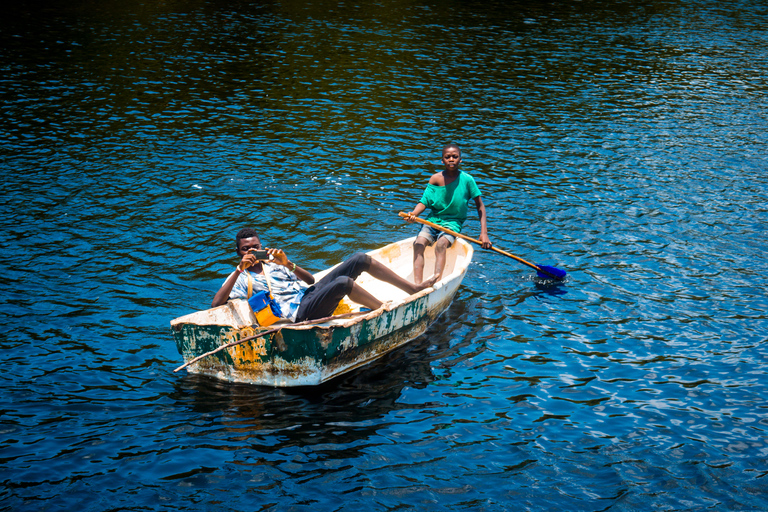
[465, 237]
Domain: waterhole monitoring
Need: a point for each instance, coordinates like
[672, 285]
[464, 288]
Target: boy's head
[451, 157]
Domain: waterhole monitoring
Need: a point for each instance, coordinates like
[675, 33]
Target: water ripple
[621, 142]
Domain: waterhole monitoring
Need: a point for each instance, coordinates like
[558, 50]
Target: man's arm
[223, 294]
[486, 242]
[250, 260]
[282, 259]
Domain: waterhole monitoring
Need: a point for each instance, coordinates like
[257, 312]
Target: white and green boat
[306, 355]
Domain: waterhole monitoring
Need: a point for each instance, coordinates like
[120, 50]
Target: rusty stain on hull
[309, 355]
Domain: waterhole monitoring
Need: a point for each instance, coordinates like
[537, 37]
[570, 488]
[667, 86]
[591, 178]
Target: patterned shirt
[287, 289]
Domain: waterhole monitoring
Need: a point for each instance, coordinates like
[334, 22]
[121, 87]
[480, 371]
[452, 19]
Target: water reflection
[622, 139]
[548, 287]
[342, 410]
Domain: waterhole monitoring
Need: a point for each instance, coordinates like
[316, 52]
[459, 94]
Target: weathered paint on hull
[310, 355]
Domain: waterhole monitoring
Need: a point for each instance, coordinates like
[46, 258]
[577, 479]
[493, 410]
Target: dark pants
[321, 299]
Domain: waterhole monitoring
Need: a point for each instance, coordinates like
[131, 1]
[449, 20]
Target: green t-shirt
[449, 204]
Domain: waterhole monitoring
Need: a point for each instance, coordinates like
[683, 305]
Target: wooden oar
[543, 270]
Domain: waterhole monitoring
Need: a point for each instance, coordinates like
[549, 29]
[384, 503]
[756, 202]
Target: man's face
[451, 158]
[246, 244]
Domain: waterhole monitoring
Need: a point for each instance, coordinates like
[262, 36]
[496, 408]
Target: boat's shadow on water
[353, 403]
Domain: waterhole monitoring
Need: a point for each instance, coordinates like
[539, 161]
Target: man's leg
[351, 267]
[361, 296]
[322, 299]
[386, 274]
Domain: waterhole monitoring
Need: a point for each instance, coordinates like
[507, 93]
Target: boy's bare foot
[429, 281]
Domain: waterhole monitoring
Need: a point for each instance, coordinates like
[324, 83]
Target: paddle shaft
[465, 237]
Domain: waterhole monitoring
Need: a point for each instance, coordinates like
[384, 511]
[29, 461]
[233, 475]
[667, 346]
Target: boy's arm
[484, 240]
[420, 207]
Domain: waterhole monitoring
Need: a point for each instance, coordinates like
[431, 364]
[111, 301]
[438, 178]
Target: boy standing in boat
[447, 194]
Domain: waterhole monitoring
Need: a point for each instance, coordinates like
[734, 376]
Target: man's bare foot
[429, 281]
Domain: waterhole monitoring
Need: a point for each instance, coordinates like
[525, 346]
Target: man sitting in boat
[295, 290]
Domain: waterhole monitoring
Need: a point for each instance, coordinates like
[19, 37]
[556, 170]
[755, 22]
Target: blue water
[623, 141]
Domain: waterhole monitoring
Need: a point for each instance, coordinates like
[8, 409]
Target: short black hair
[245, 233]
[453, 146]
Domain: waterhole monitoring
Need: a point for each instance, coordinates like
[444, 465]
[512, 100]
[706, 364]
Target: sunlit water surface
[622, 141]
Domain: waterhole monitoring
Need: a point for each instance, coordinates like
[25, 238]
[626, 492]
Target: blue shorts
[433, 234]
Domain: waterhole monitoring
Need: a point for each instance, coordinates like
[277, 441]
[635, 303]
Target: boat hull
[311, 355]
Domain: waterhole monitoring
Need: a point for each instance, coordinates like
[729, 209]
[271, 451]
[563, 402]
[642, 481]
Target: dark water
[621, 140]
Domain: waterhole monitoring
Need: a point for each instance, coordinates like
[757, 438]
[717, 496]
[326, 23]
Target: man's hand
[247, 262]
[278, 256]
[485, 241]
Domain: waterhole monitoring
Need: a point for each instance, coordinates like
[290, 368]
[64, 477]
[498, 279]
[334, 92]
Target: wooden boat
[302, 355]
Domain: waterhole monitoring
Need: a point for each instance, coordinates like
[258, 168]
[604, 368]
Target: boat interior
[399, 257]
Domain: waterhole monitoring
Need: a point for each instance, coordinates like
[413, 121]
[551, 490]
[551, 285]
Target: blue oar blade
[557, 272]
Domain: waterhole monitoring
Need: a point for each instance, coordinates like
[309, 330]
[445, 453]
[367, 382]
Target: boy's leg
[441, 248]
[419, 245]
